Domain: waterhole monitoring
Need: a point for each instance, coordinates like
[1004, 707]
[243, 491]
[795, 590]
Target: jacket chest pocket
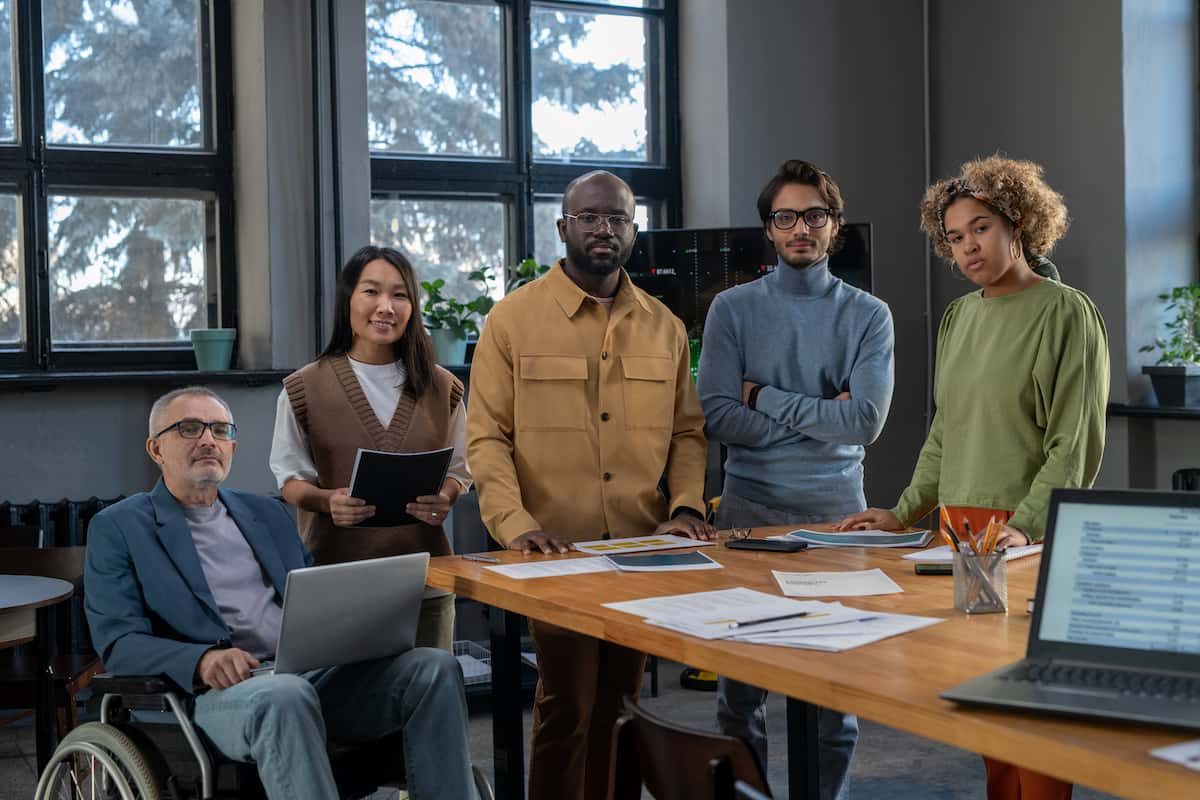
[649, 391]
[553, 393]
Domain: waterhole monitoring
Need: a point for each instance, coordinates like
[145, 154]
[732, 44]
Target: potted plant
[523, 273]
[1176, 376]
[451, 321]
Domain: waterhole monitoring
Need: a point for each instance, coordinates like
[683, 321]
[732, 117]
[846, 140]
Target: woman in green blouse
[1021, 380]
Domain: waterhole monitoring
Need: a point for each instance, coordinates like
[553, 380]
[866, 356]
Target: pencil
[970, 536]
[954, 540]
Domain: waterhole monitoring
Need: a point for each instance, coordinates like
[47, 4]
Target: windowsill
[48, 381]
[1153, 412]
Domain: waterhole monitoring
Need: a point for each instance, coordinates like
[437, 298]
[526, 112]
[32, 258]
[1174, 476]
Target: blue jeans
[742, 708]
[280, 723]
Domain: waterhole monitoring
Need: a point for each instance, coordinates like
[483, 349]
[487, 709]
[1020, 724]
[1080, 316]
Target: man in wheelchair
[187, 581]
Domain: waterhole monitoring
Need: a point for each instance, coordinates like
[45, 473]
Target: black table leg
[804, 778]
[44, 733]
[508, 733]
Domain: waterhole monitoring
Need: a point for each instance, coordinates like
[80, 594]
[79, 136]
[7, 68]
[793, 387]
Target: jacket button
[604, 356]
[608, 476]
[604, 416]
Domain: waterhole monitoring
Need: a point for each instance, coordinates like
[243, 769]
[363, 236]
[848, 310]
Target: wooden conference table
[895, 682]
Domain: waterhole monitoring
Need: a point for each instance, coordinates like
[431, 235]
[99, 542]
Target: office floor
[888, 763]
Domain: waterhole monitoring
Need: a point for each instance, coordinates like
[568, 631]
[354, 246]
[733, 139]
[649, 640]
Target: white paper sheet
[553, 567]
[844, 636]
[638, 544]
[944, 555]
[835, 584]
[709, 615]
[1185, 753]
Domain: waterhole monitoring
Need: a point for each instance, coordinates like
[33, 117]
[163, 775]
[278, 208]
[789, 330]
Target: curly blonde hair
[1014, 189]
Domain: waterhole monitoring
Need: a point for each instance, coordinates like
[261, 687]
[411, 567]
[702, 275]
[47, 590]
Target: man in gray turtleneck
[796, 378]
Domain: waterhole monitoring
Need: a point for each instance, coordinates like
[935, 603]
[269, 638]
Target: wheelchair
[123, 758]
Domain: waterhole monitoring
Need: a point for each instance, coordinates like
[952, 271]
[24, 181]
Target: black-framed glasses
[590, 223]
[194, 429]
[786, 218]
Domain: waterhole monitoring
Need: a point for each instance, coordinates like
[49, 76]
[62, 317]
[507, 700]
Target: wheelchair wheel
[97, 761]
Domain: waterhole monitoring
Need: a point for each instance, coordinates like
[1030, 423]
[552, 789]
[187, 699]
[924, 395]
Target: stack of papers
[859, 538]
[638, 544]
[745, 615]
[944, 555]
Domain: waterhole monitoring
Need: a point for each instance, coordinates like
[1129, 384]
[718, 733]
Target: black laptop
[1116, 626]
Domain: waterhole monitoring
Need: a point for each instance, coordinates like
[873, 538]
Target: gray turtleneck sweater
[806, 336]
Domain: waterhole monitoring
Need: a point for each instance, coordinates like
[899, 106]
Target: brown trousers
[581, 682]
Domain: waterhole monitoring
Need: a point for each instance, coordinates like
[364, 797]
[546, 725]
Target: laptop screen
[1123, 574]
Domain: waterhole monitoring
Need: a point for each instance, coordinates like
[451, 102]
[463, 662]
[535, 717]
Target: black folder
[390, 481]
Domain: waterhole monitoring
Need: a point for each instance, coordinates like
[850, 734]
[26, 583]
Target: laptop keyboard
[1123, 682]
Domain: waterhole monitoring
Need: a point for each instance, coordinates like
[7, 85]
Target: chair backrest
[1186, 480]
[677, 763]
[64, 563]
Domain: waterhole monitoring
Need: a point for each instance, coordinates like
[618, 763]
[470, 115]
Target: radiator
[62, 523]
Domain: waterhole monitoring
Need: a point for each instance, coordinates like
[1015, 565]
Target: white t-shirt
[381, 385]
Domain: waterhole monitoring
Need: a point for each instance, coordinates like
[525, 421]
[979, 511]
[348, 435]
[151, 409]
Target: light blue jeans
[280, 723]
[742, 708]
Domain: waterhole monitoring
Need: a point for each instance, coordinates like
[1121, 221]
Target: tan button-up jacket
[575, 415]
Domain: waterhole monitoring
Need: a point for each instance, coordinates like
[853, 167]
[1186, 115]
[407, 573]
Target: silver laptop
[1116, 625]
[343, 613]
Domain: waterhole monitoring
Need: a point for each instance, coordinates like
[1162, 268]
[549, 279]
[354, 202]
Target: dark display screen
[686, 268]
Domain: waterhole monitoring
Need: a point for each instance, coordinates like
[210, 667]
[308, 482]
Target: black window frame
[39, 170]
[520, 178]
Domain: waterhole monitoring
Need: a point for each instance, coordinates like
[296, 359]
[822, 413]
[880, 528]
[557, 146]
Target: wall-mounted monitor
[686, 268]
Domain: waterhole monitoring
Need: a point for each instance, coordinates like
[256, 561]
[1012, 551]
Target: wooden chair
[677, 763]
[72, 672]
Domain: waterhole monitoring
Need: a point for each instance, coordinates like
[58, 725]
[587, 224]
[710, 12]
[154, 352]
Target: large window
[115, 183]
[480, 112]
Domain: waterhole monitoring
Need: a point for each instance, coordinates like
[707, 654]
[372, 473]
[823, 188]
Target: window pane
[12, 330]
[624, 3]
[8, 117]
[123, 72]
[546, 211]
[590, 85]
[434, 77]
[126, 269]
[446, 239]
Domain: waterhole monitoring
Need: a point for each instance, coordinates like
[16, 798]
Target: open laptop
[1116, 626]
[343, 613]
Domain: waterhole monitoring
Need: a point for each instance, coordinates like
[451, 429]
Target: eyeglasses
[194, 429]
[590, 223]
[786, 218]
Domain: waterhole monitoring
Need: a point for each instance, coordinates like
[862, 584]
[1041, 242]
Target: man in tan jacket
[581, 403]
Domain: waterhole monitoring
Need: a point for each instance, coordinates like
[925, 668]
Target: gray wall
[1101, 92]
[793, 92]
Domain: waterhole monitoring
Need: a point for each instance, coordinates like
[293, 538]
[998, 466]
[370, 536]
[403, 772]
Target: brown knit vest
[332, 410]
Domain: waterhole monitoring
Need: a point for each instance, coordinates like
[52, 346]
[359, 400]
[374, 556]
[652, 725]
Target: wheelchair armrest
[107, 683]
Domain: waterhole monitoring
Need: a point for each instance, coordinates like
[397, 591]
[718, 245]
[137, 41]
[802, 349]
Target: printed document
[553, 567]
[638, 544]
[835, 584]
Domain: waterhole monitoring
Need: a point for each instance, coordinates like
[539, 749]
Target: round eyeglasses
[194, 429]
[786, 218]
[590, 223]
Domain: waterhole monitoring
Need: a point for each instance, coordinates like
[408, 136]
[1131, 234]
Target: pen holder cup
[980, 583]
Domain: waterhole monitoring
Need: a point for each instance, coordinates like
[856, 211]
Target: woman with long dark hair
[375, 387]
